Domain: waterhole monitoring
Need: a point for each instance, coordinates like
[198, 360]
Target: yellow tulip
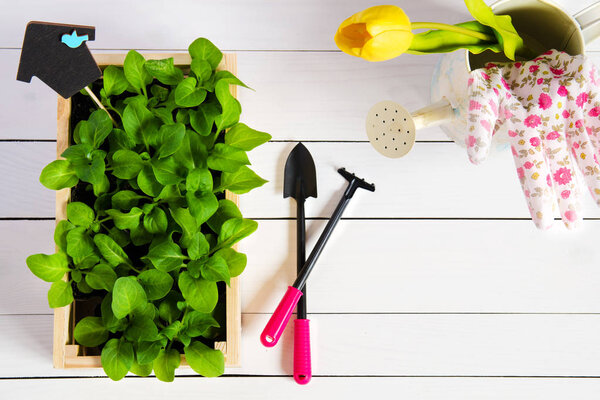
[376, 34]
[384, 32]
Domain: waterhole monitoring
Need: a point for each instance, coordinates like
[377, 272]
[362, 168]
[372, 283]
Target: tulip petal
[386, 45]
[351, 37]
[375, 34]
[380, 19]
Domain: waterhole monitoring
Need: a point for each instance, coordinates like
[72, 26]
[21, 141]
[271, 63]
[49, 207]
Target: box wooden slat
[66, 354]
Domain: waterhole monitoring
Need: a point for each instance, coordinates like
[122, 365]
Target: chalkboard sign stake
[58, 55]
[98, 103]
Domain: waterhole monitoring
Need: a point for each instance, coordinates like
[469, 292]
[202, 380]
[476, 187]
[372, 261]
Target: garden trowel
[300, 182]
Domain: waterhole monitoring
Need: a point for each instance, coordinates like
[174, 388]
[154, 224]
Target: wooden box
[67, 354]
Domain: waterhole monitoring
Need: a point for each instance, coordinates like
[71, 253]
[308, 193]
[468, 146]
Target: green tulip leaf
[441, 41]
[508, 38]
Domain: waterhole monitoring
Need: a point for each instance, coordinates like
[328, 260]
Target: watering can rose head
[376, 34]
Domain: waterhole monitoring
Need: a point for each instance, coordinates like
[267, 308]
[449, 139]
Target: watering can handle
[589, 21]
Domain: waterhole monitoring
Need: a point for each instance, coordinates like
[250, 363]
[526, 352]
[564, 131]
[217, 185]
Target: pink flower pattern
[520, 173]
[486, 125]
[571, 215]
[552, 135]
[473, 105]
[548, 109]
[471, 141]
[562, 91]
[593, 77]
[582, 98]
[544, 101]
[505, 112]
[594, 112]
[562, 176]
[532, 121]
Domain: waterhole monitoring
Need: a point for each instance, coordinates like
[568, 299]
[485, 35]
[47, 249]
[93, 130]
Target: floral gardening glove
[549, 108]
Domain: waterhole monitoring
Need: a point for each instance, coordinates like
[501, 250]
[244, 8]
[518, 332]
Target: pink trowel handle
[302, 365]
[272, 332]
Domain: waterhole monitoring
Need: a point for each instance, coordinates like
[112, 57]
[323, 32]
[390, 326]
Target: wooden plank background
[436, 286]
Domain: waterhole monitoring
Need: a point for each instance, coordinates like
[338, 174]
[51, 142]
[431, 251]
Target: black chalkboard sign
[57, 55]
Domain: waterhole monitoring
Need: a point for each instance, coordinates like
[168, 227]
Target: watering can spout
[433, 114]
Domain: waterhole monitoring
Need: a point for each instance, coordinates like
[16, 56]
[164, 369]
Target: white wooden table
[437, 286]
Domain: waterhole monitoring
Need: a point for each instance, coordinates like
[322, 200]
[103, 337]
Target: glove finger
[532, 171]
[482, 114]
[584, 148]
[584, 137]
[563, 178]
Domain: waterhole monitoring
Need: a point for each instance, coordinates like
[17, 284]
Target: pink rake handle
[302, 365]
[272, 332]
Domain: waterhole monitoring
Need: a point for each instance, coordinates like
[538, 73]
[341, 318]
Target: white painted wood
[233, 24]
[273, 388]
[435, 180]
[428, 266]
[420, 268]
[369, 344]
[27, 111]
[21, 292]
[23, 194]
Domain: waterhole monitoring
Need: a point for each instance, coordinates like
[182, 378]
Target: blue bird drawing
[72, 40]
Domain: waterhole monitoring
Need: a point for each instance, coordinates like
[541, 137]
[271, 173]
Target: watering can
[542, 24]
